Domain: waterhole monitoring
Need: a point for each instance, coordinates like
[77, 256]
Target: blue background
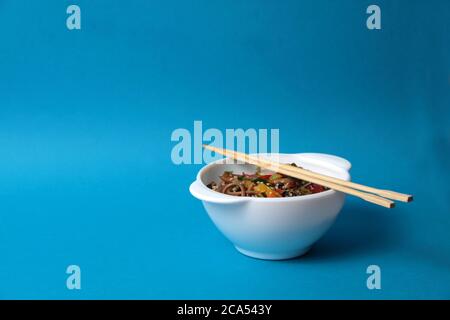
[86, 118]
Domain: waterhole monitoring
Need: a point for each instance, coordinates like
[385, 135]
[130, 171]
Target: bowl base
[273, 256]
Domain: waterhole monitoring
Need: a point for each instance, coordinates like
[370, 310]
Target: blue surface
[86, 117]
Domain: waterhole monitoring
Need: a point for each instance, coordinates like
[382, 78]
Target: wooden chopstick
[383, 193]
[277, 167]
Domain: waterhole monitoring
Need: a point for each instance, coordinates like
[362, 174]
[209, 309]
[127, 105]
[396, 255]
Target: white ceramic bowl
[273, 228]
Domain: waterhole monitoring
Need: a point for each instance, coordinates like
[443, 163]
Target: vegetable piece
[270, 193]
[275, 176]
[315, 188]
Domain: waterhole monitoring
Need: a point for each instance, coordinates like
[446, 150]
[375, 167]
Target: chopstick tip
[207, 146]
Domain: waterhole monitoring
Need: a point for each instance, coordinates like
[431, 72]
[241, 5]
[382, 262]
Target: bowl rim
[310, 158]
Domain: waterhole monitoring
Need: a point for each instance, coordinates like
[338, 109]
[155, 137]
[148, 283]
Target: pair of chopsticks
[370, 194]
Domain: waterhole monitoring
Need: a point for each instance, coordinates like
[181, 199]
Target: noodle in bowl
[273, 228]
